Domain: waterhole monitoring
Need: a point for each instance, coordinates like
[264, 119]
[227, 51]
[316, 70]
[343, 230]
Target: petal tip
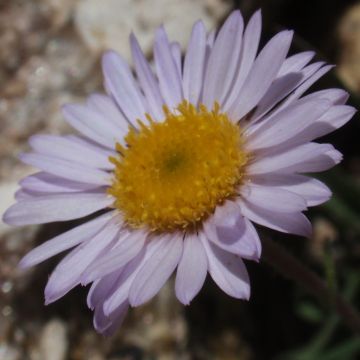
[9, 217]
[24, 263]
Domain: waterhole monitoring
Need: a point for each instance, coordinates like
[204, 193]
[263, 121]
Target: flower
[181, 164]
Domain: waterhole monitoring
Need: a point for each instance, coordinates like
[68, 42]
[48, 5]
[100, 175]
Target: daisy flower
[177, 164]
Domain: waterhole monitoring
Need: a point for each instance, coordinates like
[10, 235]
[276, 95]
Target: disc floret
[173, 174]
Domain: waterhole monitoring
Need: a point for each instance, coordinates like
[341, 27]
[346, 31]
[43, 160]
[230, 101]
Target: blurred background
[49, 55]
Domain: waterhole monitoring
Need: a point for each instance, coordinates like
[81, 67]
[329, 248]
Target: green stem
[288, 266]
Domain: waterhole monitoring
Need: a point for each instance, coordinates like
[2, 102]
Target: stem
[290, 267]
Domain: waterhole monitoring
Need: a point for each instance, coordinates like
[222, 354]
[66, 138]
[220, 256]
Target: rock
[9, 353]
[53, 341]
[107, 24]
[58, 11]
[324, 233]
[348, 33]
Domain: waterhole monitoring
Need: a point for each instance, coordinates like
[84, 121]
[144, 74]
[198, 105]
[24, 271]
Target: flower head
[181, 163]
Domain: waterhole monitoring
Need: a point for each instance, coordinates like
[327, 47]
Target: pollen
[172, 174]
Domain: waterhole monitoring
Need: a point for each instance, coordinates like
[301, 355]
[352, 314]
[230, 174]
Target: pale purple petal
[122, 86]
[295, 63]
[227, 270]
[262, 74]
[147, 80]
[279, 89]
[306, 84]
[238, 236]
[108, 109]
[223, 60]
[249, 49]
[67, 149]
[98, 293]
[23, 194]
[125, 281]
[282, 88]
[272, 198]
[333, 119]
[93, 125]
[290, 223]
[210, 39]
[227, 214]
[43, 182]
[157, 269]
[120, 292]
[101, 289]
[82, 140]
[176, 54]
[115, 320]
[192, 269]
[335, 96]
[67, 169]
[64, 241]
[169, 79]
[287, 124]
[60, 207]
[312, 190]
[130, 243]
[68, 272]
[309, 157]
[194, 64]
[100, 321]
[251, 242]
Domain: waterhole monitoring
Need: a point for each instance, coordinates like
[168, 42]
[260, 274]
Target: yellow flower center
[173, 174]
